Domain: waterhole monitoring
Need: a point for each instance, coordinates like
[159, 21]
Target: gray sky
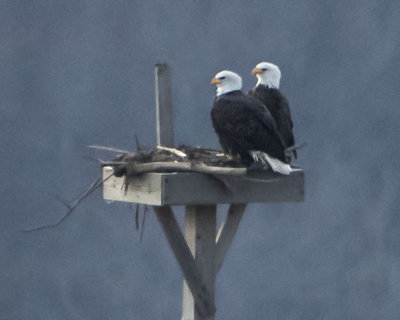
[77, 73]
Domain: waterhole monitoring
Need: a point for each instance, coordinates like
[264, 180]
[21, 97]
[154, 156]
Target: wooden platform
[160, 189]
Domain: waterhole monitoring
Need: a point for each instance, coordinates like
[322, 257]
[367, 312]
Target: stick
[137, 216]
[107, 148]
[185, 167]
[138, 146]
[95, 185]
[142, 225]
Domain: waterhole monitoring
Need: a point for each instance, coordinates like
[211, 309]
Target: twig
[95, 185]
[137, 216]
[296, 147]
[112, 163]
[107, 148]
[142, 226]
[138, 146]
[65, 203]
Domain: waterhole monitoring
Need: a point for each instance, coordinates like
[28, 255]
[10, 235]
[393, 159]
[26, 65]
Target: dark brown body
[243, 124]
[278, 106]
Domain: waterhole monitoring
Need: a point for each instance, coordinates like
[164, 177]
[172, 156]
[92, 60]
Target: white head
[267, 74]
[227, 81]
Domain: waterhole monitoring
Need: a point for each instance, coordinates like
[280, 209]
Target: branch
[138, 145]
[112, 163]
[184, 167]
[296, 147]
[107, 149]
[95, 185]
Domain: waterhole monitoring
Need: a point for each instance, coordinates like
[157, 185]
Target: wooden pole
[200, 227]
[164, 115]
[192, 270]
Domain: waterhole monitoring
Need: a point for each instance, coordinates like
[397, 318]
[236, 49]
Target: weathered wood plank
[188, 308]
[200, 228]
[144, 189]
[195, 188]
[227, 231]
[204, 302]
[164, 114]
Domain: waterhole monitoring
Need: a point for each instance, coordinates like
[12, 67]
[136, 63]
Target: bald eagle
[267, 91]
[243, 124]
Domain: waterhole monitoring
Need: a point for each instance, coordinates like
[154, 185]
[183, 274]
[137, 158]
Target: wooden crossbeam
[227, 231]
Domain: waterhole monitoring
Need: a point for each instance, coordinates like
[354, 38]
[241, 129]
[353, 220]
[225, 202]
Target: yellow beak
[215, 81]
[256, 71]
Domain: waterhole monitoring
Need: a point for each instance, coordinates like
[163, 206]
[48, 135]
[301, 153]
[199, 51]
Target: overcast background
[75, 73]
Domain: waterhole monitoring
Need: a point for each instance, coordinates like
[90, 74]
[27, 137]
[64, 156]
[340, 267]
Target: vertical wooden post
[200, 229]
[203, 301]
[164, 116]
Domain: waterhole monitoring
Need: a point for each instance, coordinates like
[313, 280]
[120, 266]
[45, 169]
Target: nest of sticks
[181, 159]
[160, 159]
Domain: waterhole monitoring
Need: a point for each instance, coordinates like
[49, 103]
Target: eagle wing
[242, 123]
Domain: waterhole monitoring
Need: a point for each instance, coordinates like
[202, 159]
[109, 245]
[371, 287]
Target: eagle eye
[222, 78]
[264, 69]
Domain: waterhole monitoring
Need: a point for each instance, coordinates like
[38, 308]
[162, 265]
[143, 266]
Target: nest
[183, 158]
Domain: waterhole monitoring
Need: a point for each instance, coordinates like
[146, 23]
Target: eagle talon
[255, 156]
[259, 159]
